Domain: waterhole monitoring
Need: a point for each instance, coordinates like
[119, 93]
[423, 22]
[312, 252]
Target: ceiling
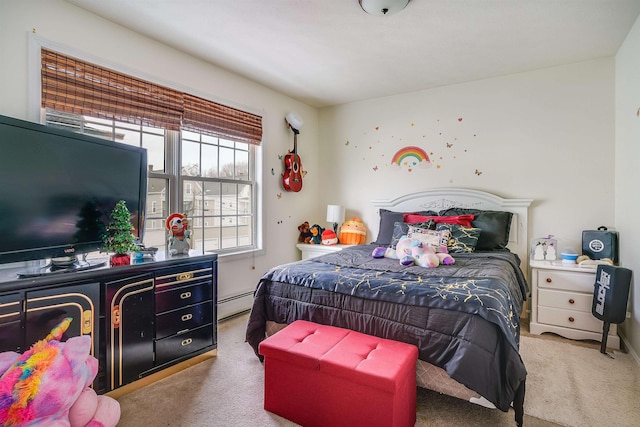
[330, 52]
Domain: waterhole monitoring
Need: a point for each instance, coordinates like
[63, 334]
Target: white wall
[72, 27]
[627, 173]
[547, 135]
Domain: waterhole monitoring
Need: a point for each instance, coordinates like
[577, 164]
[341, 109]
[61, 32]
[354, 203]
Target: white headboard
[438, 199]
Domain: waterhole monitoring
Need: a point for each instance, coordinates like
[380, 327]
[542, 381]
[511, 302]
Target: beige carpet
[567, 385]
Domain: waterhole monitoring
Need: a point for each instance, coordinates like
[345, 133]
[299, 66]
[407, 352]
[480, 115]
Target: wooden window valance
[75, 86]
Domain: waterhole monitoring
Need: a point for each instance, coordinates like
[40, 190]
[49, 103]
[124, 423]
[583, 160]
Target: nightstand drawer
[569, 319]
[565, 300]
[176, 346]
[570, 281]
[190, 317]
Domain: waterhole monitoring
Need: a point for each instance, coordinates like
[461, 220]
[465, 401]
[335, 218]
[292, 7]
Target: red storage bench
[318, 375]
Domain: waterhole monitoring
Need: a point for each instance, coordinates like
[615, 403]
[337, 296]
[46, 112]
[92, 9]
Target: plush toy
[49, 385]
[179, 234]
[316, 234]
[424, 256]
[329, 237]
[305, 233]
[412, 252]
[353, 232]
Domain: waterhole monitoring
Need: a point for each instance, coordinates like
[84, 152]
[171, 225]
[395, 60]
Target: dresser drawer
[176, 346]
[566, 300]
[180, 276]
[570, 281]
[172, 298]
[190, 317]
[569, 319]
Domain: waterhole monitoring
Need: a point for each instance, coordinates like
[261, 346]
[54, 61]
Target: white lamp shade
[383, 7]
[335, 214]
[294, 120]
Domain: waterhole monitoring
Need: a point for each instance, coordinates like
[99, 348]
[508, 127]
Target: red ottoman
[318, 375]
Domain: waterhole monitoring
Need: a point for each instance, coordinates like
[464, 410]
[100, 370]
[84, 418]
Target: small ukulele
[292, 177]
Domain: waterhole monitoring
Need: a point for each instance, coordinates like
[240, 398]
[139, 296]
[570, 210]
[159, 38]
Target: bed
[464, 318]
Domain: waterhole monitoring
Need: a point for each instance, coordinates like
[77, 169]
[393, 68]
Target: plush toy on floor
[49, 385]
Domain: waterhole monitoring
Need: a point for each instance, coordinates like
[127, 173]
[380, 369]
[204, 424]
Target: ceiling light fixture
[383, 7]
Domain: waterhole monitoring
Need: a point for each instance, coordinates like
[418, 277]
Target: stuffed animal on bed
[412, 252]
[49, 385]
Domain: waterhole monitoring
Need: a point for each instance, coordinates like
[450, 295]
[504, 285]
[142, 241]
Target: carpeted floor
[567, 385]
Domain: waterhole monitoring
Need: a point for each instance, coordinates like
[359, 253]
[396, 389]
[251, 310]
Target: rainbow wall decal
[411, 157]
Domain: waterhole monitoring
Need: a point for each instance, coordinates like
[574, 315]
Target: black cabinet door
[130, 329]
[46, 308]
[11, 337]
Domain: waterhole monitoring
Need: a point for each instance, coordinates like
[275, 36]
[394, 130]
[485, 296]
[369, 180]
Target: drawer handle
[571, 319]
[186, 317]
[549, 280]
[184, 276]
[186, 342]
[571, 301]
[185, 295]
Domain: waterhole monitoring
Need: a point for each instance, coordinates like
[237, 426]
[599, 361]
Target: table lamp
[335, 214]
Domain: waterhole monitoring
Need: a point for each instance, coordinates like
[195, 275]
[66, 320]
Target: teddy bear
[49, 385]
[412, 252]
[305, 233]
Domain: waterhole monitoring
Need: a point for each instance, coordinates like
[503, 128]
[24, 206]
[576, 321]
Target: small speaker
[600, 243]
[611, 293]
[610, 296]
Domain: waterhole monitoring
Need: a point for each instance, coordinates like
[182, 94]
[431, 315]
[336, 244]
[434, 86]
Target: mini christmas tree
[119, 239]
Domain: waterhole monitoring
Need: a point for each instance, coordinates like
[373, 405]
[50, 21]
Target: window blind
[75, 86]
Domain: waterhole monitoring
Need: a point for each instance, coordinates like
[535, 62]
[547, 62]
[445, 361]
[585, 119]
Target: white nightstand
[310, 251]
[562, 295]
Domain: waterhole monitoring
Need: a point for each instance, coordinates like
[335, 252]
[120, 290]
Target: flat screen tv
[58, 188]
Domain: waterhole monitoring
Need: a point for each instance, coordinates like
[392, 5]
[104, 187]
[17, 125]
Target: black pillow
[387, 220]
[462, 240]
[495, 226]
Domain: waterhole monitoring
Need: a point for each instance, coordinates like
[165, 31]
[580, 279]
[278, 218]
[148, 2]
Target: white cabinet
[561, 302]
[310, 251]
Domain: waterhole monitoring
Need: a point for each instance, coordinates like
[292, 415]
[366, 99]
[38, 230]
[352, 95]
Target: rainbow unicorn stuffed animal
[49, 385]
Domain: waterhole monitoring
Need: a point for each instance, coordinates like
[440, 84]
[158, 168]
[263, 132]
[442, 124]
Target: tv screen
[57, 190]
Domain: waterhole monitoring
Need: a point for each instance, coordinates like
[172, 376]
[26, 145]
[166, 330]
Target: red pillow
[463, 220]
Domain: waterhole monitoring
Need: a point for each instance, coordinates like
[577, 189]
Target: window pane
[245, 199]
[155, 234]
[242, 165]
[226, 163]
[190, 158]
[155, 151]
[229, 233]
[245, 231]
[130, 137]
[209, 160]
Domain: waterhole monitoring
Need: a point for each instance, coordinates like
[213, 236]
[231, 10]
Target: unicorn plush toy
[49, 385]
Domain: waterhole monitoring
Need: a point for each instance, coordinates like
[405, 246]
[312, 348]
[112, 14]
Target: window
[201, 163]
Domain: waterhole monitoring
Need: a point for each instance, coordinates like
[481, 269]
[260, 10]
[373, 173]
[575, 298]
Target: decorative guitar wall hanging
[292, 177]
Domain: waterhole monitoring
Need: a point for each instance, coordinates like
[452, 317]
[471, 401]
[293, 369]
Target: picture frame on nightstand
[544, 249]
